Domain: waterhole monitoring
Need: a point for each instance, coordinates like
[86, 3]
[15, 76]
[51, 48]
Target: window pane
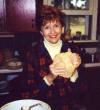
[80, 27]
[70, 4]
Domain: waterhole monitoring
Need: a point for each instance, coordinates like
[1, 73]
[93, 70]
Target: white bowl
[16, 105]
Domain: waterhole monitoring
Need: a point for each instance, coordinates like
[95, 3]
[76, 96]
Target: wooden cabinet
[18, 15]
[92, 74]
[21, 15]
[98, 24]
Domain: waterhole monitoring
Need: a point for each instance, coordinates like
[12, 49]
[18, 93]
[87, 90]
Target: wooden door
[20, 15]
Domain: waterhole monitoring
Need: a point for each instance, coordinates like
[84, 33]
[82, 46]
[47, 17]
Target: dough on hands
[65, 61]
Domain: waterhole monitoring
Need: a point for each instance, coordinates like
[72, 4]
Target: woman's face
[52, 31]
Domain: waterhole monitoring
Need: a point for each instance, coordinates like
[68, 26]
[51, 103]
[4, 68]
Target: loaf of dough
[65, 61]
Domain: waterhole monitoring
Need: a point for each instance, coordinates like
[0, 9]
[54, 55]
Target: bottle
[92, 58]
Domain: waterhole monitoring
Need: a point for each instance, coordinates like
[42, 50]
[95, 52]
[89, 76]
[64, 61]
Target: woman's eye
[47, 27]
[57, 25]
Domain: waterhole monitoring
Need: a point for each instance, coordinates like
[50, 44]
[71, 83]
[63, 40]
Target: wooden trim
[6, 36]
[77, 12]
[94, 20]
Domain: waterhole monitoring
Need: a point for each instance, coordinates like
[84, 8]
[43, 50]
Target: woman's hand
[57, 70]
[75, 60]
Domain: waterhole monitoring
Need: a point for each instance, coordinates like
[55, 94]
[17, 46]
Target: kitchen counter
[88, 65]
[5, 71]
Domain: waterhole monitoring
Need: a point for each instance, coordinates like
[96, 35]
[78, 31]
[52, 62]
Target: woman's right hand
[57, 70]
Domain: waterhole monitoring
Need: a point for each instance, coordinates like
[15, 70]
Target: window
[81, 17]
[70, 4]
[79, 24]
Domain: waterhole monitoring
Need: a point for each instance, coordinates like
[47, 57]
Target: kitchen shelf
[5, 71]
[84, 41]
[6, 34]
[88, 65]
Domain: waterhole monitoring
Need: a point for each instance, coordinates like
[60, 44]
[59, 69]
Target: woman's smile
[52, 36]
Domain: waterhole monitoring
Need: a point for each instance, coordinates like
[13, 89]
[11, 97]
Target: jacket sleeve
[80, 86]
[32, 84]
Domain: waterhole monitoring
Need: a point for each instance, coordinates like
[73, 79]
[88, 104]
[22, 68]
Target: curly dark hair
[49, 13]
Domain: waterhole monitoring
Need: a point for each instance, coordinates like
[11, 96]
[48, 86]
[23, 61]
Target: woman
[43, 80]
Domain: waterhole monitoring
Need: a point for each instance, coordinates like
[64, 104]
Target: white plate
[16, 105]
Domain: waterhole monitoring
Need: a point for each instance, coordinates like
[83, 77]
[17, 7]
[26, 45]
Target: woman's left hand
[75, 59]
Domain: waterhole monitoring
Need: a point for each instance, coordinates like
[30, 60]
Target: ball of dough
[65, 61]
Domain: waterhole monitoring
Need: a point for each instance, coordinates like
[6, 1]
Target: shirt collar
[43, 49]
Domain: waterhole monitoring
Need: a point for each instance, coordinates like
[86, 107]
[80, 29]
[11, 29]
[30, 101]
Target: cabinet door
[20, 15]
[2, 16]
